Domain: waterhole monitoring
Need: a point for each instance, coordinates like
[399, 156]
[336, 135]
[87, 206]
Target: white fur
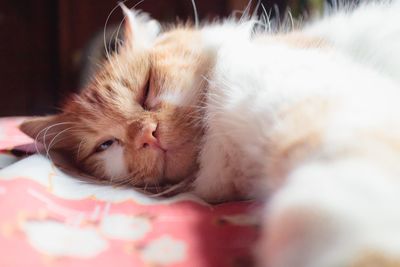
[177, 98]
[352, 212]
[370, 35]
[214, 35]
[349, 189]
[114, 163]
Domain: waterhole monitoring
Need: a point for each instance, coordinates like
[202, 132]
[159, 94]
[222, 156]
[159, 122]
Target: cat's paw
[297, 237]
[328, 214]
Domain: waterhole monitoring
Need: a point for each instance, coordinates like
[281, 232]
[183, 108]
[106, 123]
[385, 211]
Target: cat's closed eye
[106, 145]
[146, 91]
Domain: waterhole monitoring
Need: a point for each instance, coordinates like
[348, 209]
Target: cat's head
[137, 121]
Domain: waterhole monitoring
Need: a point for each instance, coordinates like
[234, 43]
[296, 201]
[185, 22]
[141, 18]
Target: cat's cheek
[144, 166]
[181, 164]
[114, 163]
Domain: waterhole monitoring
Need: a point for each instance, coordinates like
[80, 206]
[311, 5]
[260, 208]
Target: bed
[50, 218]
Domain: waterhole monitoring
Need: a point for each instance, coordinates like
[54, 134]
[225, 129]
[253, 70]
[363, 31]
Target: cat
[307, 119]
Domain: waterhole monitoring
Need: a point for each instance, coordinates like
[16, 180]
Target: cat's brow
[95, 97]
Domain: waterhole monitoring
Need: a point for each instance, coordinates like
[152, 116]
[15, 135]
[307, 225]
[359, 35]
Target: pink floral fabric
[48, 218]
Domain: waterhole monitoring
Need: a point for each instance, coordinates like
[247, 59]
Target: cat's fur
[310, 118]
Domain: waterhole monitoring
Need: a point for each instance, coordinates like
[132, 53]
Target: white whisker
[54, 138]
[79, 149]
[196, 15]
[45, 130]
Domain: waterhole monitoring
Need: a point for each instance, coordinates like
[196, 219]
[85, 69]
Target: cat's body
[319, 128]
[275, 91]
[309, 119]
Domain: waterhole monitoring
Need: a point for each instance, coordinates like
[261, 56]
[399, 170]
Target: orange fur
[110, 107]
[300, 134]
[374, 259]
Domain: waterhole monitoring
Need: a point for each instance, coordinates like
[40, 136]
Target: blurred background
[43, 45]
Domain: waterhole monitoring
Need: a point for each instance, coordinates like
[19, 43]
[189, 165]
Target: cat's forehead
[104, 101]
[133, 63]
[117, 88]
[176, 36]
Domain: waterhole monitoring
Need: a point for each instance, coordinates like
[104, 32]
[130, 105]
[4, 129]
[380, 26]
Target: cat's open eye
[106, 145]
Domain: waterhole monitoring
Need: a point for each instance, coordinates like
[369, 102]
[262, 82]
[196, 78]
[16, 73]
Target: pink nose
[147, 137]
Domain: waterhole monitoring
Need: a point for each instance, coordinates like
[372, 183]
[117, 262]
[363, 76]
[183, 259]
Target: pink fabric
[45, 222]
[10, 135]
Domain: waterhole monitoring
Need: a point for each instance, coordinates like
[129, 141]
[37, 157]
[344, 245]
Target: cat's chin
[177, 167]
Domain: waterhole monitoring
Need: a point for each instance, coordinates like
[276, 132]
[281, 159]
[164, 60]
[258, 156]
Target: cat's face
[138, 121]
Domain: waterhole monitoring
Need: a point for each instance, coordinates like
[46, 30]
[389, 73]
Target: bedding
[50, 218]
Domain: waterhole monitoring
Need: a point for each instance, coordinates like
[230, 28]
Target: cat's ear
[140, 28]
[50, 130]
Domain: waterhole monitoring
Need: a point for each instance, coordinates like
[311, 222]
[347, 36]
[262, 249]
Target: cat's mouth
[156, 145]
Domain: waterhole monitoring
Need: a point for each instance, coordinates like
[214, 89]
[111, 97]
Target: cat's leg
[331, 214]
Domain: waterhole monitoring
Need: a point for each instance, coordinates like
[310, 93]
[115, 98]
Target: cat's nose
[148, 137]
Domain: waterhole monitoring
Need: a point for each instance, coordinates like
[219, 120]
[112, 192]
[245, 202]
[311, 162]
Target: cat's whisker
[176, 188]
[289, 13]
[246, 12]
[117, 41]
[54, 138]
[45, 130]
[105, 28]
[196, 15]
[119, 26]
[79, 149]
[124, 182]
[50, 135]
[267, 18]
[107, 46]
[157, 186]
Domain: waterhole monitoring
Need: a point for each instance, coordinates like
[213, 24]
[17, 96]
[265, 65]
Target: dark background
[42, 42]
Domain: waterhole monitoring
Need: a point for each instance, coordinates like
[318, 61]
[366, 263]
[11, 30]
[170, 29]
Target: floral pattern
[49, 218]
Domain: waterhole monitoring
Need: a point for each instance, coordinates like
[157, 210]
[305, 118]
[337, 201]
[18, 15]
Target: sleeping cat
[308, 118]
